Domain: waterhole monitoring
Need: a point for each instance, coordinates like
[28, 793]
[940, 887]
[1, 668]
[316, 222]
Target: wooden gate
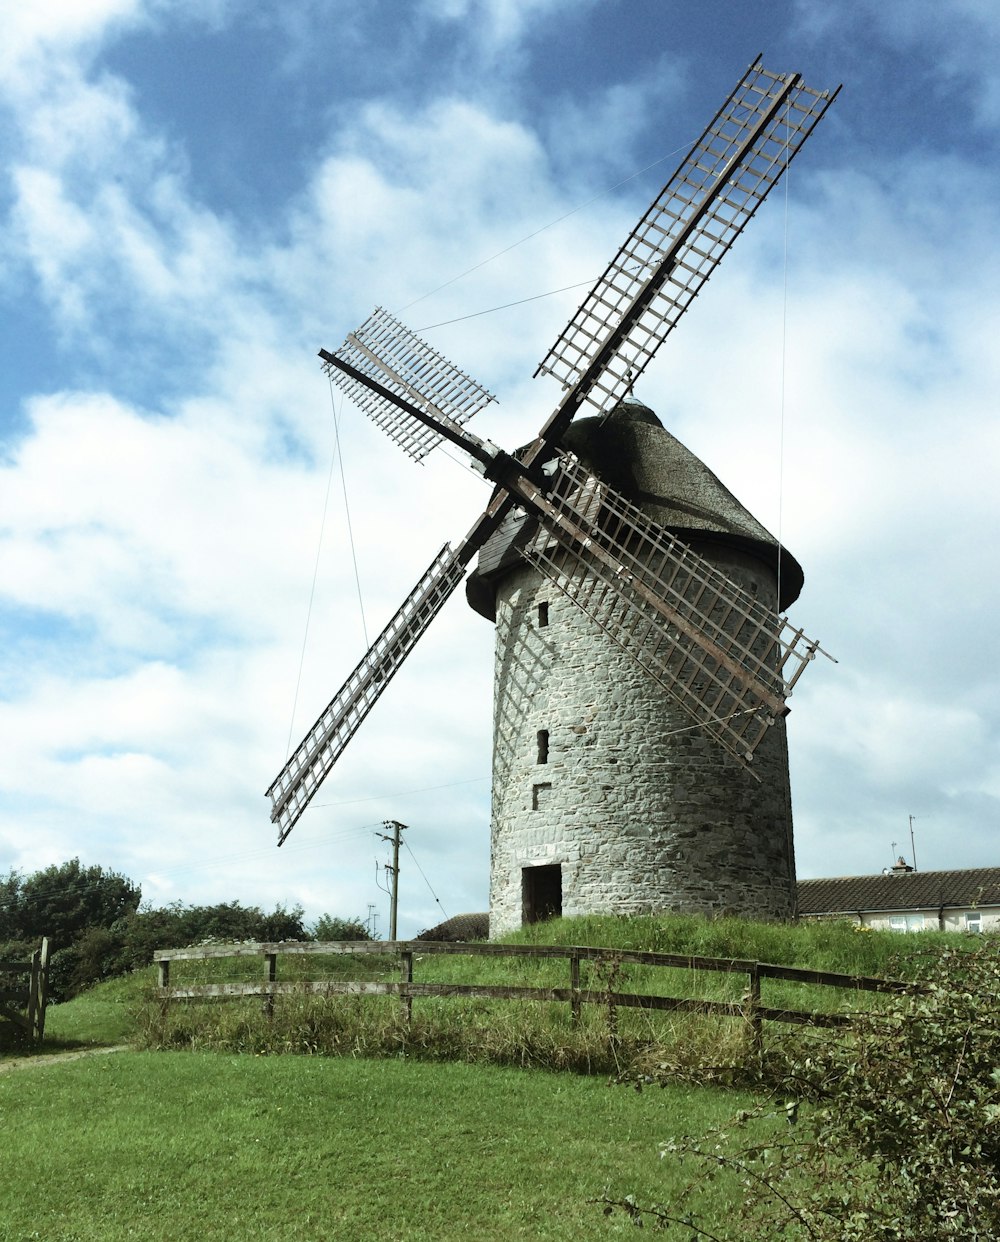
[24, 992]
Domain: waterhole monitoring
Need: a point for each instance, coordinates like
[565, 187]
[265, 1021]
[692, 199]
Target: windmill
[716, 653]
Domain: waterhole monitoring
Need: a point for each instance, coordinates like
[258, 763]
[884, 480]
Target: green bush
[895, 1125]
[92, 958]
[328, 928]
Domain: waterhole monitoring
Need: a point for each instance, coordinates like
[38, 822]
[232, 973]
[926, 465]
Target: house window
[897, 922]
[974, 922]
[543, 615]
[543, 746]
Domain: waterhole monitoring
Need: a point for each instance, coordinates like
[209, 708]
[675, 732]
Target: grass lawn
[102, 1015]
[213, 1146]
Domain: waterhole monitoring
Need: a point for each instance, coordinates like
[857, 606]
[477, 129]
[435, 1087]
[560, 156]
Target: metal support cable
[347, 515]
[541, 229]
[784, 358]
[335, 456]
[424, 878]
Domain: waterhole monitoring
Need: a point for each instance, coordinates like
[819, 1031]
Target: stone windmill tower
[605, 797]
[641, 679]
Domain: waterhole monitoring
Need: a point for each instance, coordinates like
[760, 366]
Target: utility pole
[395, 827]
[913, 848]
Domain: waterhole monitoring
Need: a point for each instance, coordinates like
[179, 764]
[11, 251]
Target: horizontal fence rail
[24, 992]
[406, 989]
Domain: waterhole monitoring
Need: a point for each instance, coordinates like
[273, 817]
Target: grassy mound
[102, 1016]
[834, 945]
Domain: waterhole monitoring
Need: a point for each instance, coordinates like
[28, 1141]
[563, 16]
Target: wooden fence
[407, 989]
[24, 992]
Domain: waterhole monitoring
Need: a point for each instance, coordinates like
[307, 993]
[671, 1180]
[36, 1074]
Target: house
[901, 899]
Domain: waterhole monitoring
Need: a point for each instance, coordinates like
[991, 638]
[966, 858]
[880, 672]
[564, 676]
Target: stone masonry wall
[642, 812]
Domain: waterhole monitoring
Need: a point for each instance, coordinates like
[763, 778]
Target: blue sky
[197, 196]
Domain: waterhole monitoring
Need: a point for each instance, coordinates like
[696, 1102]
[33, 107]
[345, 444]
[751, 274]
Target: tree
[176, 926]
[65, 900]
[10, 902]
[283, 924]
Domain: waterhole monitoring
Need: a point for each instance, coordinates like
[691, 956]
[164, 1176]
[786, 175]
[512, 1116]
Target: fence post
[36, 959]
[271, 965]
[164, 972]
[574, 985]
[43, 987]
[405, 979]
[751, 1009]
[614, 967]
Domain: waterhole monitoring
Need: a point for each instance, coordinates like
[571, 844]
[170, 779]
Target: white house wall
[961, 920]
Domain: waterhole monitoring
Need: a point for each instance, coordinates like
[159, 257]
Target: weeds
[472, 1031]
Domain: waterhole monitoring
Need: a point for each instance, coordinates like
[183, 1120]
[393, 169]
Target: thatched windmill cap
[632, 451]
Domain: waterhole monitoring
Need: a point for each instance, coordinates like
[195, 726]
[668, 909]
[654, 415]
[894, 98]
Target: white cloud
[952, 46]
[32, 32]
[116, 517]
[498, 23]
[605, 128]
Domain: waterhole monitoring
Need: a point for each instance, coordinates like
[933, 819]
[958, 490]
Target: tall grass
[821, 945]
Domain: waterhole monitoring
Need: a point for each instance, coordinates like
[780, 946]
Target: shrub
[895, 1125]
[328, 928]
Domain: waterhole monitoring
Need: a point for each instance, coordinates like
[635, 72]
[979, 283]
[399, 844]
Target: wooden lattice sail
[728, 662]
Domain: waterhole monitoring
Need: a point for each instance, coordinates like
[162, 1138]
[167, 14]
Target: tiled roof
[904, 890]
[460, 927]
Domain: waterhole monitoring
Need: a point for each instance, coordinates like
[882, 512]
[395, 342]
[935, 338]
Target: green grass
[161, 1146]
[822, 945]
[101, 1016]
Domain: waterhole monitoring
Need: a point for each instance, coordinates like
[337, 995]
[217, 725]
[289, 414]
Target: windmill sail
[682, 237]
[726, 660]
[322, 746]
[397, 359]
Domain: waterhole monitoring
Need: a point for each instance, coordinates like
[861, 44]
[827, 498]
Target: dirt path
[57, 1058]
